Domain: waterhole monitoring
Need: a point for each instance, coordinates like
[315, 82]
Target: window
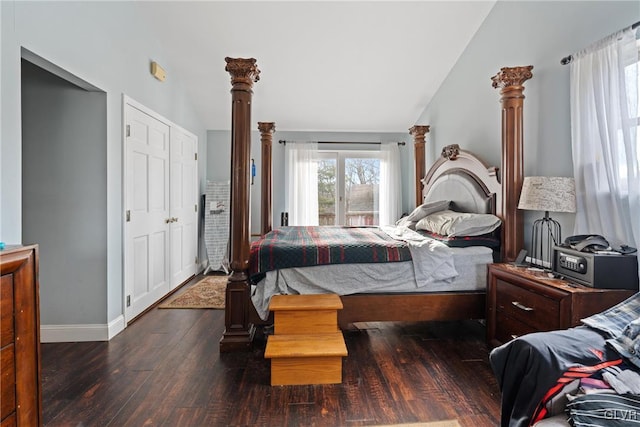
[348, 187]
[604, 132]
[632, 122]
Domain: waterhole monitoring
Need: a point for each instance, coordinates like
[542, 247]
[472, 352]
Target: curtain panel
[390, 202]
[301, 174]
[604, 133]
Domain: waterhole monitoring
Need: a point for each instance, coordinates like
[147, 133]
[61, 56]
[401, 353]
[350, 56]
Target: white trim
[116, 326]
[81, 333]
[57, 71]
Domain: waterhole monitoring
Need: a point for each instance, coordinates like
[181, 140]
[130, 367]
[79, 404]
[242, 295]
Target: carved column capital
[244, 71]
[418, 132]
[266, 127]
[512, 76]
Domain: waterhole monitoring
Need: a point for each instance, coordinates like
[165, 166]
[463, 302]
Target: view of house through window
[348, 187]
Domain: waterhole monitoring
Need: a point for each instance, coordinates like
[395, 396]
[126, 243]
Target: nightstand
[521, 301]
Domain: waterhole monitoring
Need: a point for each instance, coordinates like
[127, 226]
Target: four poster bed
[458, 176]
[448, 284]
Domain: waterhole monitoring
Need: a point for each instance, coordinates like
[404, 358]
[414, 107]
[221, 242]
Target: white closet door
[147, 244]
[184, 205]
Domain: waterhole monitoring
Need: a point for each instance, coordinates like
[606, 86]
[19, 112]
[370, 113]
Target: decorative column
[239, 331]
[266, 137]
[510, 81]
[419, 133]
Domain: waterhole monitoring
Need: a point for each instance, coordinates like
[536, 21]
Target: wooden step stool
[307, 346]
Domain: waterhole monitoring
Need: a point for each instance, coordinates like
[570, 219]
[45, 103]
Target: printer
[599, 269]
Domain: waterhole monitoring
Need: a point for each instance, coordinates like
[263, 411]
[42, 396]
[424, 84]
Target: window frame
[340, 157]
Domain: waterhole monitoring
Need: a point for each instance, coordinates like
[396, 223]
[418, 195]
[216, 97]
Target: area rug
[209, 292]
[444, 423]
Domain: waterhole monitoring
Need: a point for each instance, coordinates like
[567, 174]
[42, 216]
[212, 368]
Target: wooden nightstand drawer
[537, 311]
[508, 328]
[520, 300]
[7, 382]
[6, 311]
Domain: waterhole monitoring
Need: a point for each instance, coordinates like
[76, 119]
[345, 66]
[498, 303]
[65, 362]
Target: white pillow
[452, 224]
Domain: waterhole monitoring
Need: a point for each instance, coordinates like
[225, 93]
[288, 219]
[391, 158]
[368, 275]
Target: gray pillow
[404, 222]
[420, 212]
[426, 209]
[453, 224]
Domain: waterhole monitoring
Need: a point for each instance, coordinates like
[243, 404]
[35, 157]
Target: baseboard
[81, 333]
[116, 326]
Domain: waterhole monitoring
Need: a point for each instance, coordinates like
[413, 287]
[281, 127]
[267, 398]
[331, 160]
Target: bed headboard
[464, 179]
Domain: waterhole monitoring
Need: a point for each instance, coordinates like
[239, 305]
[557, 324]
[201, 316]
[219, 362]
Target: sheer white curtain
[390, 202]
[604, 133]
[301, 176]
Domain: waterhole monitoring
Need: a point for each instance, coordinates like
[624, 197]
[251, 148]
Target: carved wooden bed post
[419, 133]
[239, 331]
[510, 81]
[266, 136]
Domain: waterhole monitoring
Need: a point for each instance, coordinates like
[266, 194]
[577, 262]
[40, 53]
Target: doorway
[64, 193]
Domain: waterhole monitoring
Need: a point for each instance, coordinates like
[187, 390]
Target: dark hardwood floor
[165, 370]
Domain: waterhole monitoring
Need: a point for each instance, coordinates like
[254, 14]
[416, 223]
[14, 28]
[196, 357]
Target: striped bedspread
[288, 247]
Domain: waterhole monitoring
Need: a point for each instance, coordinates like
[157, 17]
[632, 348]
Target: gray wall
[64, 189]
[219, 162]
[466, 109]
[108, 45]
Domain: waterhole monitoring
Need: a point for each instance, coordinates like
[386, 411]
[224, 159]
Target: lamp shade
[548, 193]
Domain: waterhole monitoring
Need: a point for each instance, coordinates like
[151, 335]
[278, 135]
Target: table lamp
[548, 194]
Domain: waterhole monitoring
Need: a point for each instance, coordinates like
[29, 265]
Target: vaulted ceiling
[325, 65]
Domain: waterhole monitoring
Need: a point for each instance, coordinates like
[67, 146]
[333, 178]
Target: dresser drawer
[6, 311]
[10, 421]
[508, 328]
[533, 309]
[7, 381]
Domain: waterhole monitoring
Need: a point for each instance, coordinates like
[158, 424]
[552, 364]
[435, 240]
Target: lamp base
[545, 234]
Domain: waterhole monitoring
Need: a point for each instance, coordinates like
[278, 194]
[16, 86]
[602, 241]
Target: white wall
[108, 45]
[466, 109]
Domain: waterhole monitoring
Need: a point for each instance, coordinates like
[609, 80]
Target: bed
[477, 188]
[371, 266]
[589, 374]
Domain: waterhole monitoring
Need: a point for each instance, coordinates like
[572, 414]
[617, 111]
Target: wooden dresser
[521, 301]
[20, 381]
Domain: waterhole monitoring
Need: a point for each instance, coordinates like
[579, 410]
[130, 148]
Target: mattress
[395, 277]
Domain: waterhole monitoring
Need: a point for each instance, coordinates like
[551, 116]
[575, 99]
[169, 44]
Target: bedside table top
[547, 278]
